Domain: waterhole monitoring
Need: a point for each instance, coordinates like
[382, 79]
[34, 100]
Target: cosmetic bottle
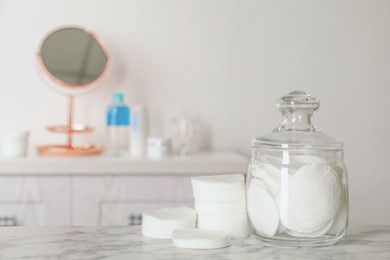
[118, 124]
[138, 131]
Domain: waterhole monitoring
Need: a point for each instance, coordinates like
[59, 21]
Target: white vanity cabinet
[101, 190]
[35, 200]
[120, 200]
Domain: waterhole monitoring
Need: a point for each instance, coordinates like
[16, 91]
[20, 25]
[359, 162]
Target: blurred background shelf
[205, 163]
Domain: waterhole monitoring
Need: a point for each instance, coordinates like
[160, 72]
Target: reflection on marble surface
[364, 242]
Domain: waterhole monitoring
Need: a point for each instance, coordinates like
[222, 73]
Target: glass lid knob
[297, 107]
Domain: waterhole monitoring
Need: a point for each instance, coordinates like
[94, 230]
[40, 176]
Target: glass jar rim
[263, 143]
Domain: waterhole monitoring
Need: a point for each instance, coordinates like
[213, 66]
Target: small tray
[69, 151]
[77, 129]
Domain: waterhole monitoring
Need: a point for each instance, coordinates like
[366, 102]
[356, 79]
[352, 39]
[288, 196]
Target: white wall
[226, 62]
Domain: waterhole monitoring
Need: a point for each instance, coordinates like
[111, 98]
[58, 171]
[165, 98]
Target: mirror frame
[69, 88]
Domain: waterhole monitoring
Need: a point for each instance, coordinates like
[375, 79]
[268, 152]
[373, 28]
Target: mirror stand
[70, 149]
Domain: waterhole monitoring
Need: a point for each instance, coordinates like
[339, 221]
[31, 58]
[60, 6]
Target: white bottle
[138, 131]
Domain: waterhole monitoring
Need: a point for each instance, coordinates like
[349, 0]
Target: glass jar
[297, 191]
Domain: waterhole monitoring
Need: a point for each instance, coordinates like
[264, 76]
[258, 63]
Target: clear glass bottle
[184, 134]
[297, 191]
[118, 125]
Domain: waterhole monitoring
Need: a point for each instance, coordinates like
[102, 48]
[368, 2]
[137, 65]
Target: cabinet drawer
[91, 193]
[134, 187]
[35, 200]
[19, 188]
[130, 212]
[22, 214]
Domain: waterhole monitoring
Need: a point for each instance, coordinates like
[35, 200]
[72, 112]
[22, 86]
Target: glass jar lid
[297, 130]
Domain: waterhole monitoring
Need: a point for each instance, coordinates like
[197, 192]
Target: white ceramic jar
[14, 144]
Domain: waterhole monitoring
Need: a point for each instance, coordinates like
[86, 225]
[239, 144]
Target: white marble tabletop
[126, 242]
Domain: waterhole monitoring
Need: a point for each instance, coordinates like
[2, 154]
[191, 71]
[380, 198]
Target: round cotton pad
[227, 181]
[200, 239]
[340, 173]
[223, 208]
[272, 159]
[315, 192]
[340, 219]
[312, 159]
[223, 220]
[262, 209]
[295, 222]
[269, 175]
[237, 227]
[320, 232]
[220, 196]
[160, 223]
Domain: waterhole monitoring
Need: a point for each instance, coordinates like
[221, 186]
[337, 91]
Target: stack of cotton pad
[160, 223]
[306, 201]
[178, 224]
[220, 202]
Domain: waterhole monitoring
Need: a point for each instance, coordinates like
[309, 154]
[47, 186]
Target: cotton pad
[293, 221]
[200, 239]
[340, 219]
[219, 220]
[220, 201]
[204, 207]
[269, 175]
[315, 192]
[312, 159]
[271, 159]
[160, 223]
[227, 181]
[237, 227]
[340, 173]
[219, 188]
[281, 228]
[262, 209]
[317, 233]
[217, 195]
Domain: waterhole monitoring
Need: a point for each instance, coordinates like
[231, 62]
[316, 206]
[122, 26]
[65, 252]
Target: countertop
[198, 163]
[126, 242]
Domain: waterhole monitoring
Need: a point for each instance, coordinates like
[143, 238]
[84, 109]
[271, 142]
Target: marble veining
[126, 242]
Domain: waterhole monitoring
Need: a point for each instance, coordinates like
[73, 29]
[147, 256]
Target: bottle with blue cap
[118, 124]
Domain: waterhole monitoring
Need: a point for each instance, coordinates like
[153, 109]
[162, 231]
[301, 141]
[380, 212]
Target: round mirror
[73, 59]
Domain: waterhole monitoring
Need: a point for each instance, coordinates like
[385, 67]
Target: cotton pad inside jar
[262, 208]
[315, 192]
